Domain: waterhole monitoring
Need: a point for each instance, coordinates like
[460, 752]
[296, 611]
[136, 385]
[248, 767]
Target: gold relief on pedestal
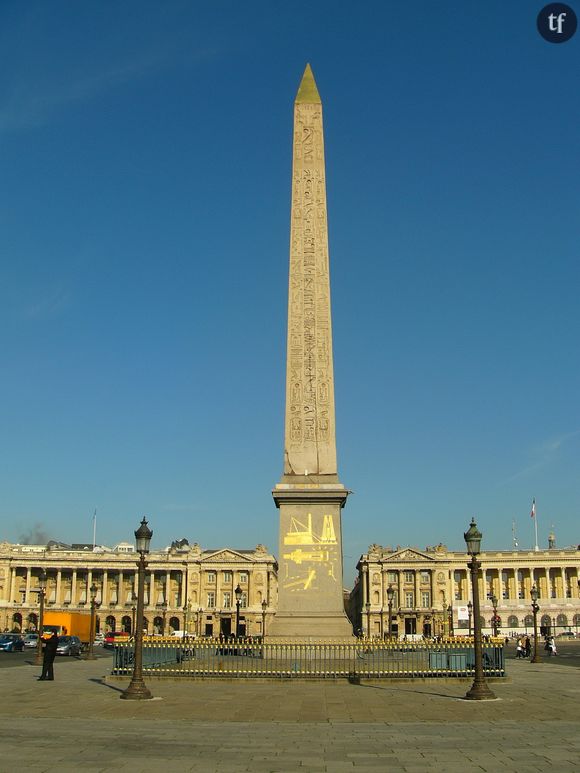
[313, 553]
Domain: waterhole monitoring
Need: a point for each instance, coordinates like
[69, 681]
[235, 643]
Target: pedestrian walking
[553, 650]
[527, 647]
[520, 648]
[48, 659]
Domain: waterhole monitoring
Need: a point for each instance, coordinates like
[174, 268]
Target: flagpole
[95, 528]
[534, 515]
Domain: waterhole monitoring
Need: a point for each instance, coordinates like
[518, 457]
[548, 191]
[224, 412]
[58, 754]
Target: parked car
[31, 641]
[69, 645]
[566, 635]
[99, 639]
[11, 642]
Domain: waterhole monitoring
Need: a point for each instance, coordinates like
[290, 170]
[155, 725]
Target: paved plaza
[78, 723]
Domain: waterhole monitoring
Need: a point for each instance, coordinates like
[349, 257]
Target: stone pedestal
[310, 588]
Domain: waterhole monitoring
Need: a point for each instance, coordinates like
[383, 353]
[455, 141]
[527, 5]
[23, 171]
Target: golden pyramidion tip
[307, 92]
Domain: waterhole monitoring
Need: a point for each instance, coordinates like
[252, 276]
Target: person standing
[528, 647]
[48, 659]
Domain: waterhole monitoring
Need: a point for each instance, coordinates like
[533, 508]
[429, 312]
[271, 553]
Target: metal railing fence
[214, 658]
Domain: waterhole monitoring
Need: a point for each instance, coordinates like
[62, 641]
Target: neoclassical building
[431, 590]
[186, 587]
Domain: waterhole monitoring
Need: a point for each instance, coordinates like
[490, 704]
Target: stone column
[27, 591]
[58, 588]
[400, 590]
[151, 601]
[417, 589]
[433, 590]
[105, 588]
[73, 588]
[483, 590]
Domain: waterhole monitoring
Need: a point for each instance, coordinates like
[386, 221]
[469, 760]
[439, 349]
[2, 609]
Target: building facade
[431, 591]
[186, 587]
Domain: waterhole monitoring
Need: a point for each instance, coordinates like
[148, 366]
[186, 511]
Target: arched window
[546, 620]
[32, 621]
[513, 621]
[576, 620]
[126, 624]
[562, 620]
[174, 623]
[17, 621]
[376, 597]
[528, 621]
[110, 623]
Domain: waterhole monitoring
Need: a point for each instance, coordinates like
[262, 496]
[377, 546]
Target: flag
[533, 513]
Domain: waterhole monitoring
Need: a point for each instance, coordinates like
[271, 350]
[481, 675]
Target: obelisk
[309, 496]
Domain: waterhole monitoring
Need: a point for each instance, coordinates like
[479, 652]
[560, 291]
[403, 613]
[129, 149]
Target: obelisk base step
[309, 627]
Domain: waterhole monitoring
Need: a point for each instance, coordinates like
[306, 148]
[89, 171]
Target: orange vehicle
[67, 624]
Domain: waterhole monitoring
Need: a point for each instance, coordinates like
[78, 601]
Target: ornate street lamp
[535, 609]
[390, 597]
[264, 608]
[41, 596]
[238, 593]
[93, 595]
[137, 689]
[479, 690]
[469, 614]
[368, 610]
[450, 619]
[494, 618]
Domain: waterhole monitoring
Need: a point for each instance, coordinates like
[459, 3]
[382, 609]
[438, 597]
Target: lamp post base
[479, 692]
[137, 691]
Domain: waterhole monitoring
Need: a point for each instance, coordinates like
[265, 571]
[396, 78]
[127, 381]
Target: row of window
[227, 600]
[227, 577]
[409, 598]
[393, 577]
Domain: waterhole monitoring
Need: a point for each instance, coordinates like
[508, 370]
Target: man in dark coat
[48, 660]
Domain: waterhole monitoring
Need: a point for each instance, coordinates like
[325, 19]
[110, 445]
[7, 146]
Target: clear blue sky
[145, 157]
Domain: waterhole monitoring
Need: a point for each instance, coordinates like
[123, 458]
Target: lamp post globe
[479, 690]
[137, 689]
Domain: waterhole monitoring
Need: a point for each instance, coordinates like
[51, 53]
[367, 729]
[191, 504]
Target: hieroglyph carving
[310, 428]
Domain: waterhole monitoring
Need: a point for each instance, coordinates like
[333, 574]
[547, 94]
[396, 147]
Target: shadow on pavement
[413, 692]
[105, 684]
